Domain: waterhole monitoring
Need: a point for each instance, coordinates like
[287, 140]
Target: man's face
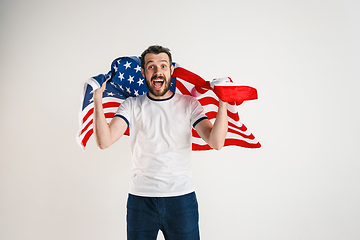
[157, 73]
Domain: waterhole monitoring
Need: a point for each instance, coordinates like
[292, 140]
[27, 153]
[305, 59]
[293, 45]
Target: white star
[131, 79]
[116, 68]
[127, 65]
[140, 82]
[121, 76]
[136, 93]
[92, 99]
[121, 87]
[110, 94]
[138, 68]
[128, 90]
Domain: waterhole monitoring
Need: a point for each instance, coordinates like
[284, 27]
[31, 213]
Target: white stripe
[104, 100]
[106, 110]
[200, 141]
[247, 132]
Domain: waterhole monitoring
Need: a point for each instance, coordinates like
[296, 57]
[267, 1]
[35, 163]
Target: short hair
[155, 49]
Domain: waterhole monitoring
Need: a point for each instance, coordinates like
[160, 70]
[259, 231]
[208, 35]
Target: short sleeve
[197, 113]
[124, 111]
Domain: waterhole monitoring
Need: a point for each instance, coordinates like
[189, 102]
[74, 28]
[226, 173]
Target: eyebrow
[151, 61]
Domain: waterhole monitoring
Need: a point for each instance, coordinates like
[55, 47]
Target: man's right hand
[99, 92]
[106, 134]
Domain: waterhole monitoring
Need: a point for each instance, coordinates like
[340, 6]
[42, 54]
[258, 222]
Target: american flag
[125, 79]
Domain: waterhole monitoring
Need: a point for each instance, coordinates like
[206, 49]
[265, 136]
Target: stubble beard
[152, 89]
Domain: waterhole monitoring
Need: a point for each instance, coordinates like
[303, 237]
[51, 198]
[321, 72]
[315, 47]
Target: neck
[165, 96]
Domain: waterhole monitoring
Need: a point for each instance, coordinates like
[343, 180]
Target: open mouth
[158, 82]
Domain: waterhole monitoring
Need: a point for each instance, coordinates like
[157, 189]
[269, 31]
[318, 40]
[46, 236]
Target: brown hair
[155, 49]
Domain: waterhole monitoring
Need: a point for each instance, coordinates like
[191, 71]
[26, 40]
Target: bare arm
[105, 134]
[214, 135]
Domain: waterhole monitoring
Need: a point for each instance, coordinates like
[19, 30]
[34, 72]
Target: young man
[161, 195]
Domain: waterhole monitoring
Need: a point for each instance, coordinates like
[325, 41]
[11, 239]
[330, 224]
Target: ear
[171, 69]
[142, 72]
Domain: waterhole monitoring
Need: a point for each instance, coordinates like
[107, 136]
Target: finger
[103, 87]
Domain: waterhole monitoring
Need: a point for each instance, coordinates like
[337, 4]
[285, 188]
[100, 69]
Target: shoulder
[188, 102]
[132, 102]
[139, 98]
[186, 98]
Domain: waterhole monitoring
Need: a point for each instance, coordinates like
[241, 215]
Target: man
[161, 195]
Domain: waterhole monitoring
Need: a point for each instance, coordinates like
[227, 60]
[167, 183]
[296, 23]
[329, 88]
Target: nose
[157, 70]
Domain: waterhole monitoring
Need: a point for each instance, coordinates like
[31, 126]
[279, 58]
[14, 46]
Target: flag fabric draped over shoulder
[125, 80]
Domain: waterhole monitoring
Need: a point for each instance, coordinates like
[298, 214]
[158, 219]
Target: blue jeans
[177, 217]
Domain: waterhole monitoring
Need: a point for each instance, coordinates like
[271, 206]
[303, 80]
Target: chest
[163, 116]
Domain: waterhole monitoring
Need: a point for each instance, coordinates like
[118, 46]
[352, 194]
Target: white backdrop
[302, 56]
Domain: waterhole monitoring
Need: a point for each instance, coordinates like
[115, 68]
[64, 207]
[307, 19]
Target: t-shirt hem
[173, 194]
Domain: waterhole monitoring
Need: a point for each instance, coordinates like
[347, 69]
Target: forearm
[101, 128]
[218, 133]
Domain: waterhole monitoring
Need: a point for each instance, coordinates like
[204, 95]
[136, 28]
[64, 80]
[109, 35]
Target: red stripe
[242, 128]
[211, 100]
[111, 104]
[91, 131]
[88, 114]
[105, 105]
[107, 115]
[195, 134]
[235, 93]
[197, 147]
[241, 143]
[234, 116]
[86, 137]
[191, 77]
[180, 86]
[86, 127]
[201, 89]
[228, 142]
[208, 100]
[212, 115]
[241, 134]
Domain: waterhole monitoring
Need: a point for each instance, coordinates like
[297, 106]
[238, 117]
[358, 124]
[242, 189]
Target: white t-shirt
[160, 142]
